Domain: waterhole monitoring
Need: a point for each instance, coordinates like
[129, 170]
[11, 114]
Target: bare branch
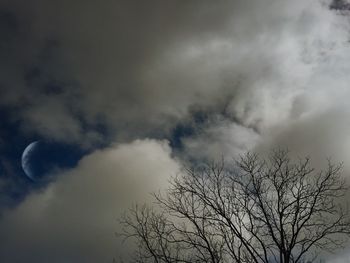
[260, 211]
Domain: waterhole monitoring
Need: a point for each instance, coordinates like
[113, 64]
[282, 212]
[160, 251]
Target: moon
[26, 165]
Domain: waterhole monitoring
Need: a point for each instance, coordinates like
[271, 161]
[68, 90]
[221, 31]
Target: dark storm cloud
[340, 5]
[262, 73]
[137, 66]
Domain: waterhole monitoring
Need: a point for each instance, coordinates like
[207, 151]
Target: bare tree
[257, 210]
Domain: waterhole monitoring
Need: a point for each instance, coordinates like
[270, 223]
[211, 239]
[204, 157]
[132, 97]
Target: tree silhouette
[257, 210]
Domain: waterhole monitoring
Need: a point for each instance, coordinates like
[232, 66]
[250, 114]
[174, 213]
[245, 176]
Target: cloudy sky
[128, 91]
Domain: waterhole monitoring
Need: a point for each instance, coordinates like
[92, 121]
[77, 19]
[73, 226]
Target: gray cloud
[267, 73]
[144, 65]
[223, 139]
[75, 218]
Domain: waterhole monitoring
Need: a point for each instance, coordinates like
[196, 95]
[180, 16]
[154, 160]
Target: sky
[123, 93]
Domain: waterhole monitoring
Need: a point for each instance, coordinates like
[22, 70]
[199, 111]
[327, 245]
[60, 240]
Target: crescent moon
[26, 159]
